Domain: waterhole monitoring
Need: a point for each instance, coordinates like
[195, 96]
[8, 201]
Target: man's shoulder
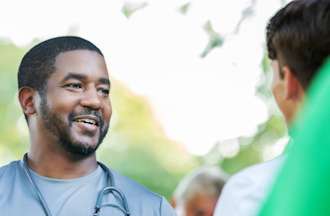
[259, 172]
[8, 174]
[8, 168]
[132, 187]
[245, 191]
[141, 196]
[255, 179]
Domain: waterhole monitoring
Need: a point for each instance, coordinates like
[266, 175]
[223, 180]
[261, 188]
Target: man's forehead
[83, 63]
[78, 56]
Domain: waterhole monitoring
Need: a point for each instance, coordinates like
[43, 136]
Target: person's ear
[293, 88]
[173, 202]
[26, 99]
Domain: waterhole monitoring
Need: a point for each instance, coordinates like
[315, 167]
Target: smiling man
[64, 93]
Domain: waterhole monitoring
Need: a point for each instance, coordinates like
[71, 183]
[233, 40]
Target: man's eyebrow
[74, 76]
[77, 76]
[104, 81]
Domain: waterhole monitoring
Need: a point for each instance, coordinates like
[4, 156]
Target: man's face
[287, 106]
[75, 106]
[201, 205]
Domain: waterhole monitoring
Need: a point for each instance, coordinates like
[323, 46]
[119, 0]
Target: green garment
[303, 185]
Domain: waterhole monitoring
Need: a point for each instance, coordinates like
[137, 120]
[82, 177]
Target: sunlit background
[191, 81]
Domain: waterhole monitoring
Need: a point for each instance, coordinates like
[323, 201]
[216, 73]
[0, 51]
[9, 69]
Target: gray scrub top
[73, 196]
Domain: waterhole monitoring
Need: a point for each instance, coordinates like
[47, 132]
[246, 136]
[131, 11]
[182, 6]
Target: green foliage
[215, 39]
[251, 148]
[183, 9]
[247, 156]
[138, 147]
[130, 8]
[11, 144]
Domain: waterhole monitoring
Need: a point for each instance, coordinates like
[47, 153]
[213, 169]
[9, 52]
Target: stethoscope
[110, 188]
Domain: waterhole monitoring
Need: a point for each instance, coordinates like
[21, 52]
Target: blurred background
[191, 81]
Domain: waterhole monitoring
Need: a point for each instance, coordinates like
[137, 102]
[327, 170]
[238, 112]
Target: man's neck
[59, 165]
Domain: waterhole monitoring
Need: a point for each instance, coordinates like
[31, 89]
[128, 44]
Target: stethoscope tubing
[110, 188]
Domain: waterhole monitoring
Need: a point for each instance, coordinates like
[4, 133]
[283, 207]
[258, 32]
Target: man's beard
[61, 130]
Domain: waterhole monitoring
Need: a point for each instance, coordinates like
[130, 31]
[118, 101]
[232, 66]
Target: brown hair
[298, 35]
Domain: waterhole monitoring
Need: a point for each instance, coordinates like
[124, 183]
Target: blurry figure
[198, 192]
[297, 44]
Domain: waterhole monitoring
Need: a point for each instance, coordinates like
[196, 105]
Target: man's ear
[293, 88]
[26, 99]
[173, 202]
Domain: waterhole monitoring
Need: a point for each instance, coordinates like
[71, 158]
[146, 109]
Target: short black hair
[299, 36]
[38, 63]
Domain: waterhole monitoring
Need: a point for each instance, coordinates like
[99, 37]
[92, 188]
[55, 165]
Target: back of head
[207, 181]
[38, 63]
[298, 36]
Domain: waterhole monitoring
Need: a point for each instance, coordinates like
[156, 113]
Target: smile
[87, 119]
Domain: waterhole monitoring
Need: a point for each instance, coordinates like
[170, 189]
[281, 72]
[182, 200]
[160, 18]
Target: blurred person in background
[64, 92]
[298, 42]
[198, 192]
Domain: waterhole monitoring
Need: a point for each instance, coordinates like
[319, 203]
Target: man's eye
[73, 85]
[104, 91]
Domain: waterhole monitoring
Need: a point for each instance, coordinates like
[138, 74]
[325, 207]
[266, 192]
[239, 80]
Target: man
[298, 44]
[198, 192]
[64, 92]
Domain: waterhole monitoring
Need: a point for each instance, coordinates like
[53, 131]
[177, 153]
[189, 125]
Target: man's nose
[91, 99]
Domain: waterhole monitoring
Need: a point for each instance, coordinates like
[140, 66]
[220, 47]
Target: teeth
[88, 121]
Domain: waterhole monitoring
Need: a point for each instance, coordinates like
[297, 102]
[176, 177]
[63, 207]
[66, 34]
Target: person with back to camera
[298, 42]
